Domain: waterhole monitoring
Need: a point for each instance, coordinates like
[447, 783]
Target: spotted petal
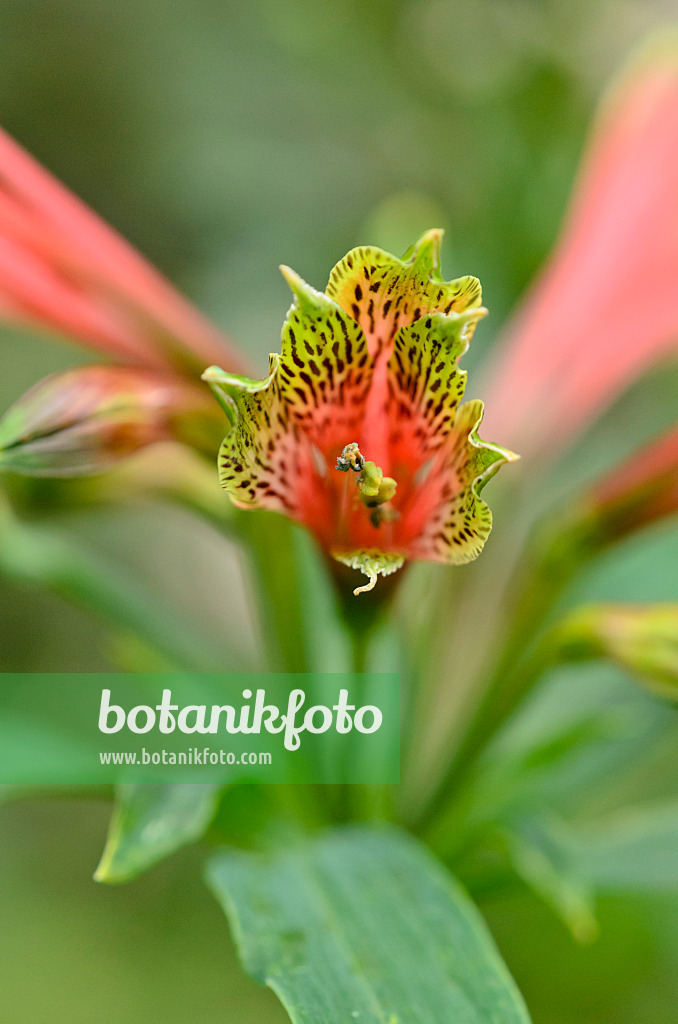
[457, 522]
[443, 517]
[288, 428]
[425, 384]
[383, 293]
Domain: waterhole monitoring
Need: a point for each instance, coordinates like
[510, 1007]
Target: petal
[425, 385]
[448, 520]
[325, 367]
[289, 428]
[372, 563]
[435, 453]
[607, 307]
[34, 293]
[261, 444]
[383, 293]
[111, 297]
[640, 491]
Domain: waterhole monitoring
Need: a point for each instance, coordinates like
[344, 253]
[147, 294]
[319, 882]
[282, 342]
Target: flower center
[374, 489]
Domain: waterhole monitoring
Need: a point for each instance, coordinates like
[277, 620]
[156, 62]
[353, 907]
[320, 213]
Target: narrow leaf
[33, 553]
[363, 925]
[636, 850]
[541, 853]
[150, 822]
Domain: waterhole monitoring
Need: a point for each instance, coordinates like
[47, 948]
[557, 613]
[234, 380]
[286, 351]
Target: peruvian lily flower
[358, 431]
[606, 307]
[64, 269]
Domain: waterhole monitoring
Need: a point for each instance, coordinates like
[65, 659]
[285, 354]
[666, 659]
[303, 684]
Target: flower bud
[642, 639]
[84, 420]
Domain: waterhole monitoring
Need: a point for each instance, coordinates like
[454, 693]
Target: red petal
[640, 491]
[50, 224]
[607, 306]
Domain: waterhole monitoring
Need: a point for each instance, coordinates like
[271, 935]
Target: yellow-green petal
[384, 293]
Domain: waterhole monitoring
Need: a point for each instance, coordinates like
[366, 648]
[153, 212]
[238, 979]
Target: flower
[367, 383]
[63, 268]
[606, 307]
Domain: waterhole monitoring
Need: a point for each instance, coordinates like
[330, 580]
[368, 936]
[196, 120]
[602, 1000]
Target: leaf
[363, 926]
[35, 554]
[150, 822]
[637, 849]
[541, 853]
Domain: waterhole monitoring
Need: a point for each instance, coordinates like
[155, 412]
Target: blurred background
[223, 139]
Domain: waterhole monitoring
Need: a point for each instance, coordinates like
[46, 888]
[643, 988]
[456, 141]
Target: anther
[350, 458]
[375, 490]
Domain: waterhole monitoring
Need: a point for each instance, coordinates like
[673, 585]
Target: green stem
[366, 802]
[271, 552]
[359, 650]
[556, 559]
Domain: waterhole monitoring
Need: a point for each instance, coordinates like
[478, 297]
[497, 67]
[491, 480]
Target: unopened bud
[643, 639]
[84, 420]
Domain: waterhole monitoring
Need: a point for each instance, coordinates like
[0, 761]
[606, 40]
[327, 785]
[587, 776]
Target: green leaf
[635, 850]
[541, 853]
[150, 822]
[33, 553]
[363, 926]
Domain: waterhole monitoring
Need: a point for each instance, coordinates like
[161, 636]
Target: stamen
[350, 458]
[375, 489]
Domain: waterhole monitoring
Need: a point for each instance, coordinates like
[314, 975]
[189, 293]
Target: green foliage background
[223, 139]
